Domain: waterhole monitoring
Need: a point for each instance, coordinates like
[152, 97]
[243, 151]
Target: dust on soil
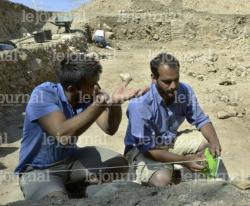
[211, 39]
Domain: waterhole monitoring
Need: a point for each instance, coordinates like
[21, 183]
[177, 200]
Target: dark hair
[163, 58]
[76, 69]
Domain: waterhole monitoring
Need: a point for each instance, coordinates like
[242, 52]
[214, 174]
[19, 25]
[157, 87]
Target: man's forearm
[189, 161]
[209, 133]
[110, 120]
[165, 156]
[81, 122]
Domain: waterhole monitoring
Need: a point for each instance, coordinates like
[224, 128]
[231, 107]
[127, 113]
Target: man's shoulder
[184, 87]
[142, 101]
[46, 91]
[141, 106]
[46, 87]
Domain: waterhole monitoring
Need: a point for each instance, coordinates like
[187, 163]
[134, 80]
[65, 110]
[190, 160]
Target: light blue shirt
[152, 124]
[39, 149]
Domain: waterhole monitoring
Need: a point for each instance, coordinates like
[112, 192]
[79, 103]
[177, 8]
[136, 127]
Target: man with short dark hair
[56, 115]
[152, 139]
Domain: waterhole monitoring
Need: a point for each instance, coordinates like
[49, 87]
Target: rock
[244, 74]
[107, 189]
[131, 31]
[109, 35]
[241, 183]
[126, 77]
[158, 22]
[156, 37]
[224, 98]
[38, 61]
[213, 57]
[148, 29]
[231, 67]
[212, 70]
[227, 82]
[238, 72]
[93, 55]
[240, 115]
[123, 11]
[140, 11]
[23, 31]
[201, 77]
[104, 190]
[124, 31]
[192, 74]
[72, 49]
[226, 115]
[23, 57]
[197, 203]
[234, 104]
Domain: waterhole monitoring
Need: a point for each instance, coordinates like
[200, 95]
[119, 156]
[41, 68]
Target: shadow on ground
[4, 151]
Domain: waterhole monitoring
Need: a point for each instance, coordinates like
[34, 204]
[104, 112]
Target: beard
[168, 96]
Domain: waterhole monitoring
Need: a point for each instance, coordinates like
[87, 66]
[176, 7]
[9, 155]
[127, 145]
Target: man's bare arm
[209, 133]
[164, 156]
[110, 119]
[56, 124]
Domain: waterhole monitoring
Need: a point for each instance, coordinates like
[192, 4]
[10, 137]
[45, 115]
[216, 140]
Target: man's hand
[101, 98]
[123, 94]
[209, 133]
[195, 165]
[215, 148]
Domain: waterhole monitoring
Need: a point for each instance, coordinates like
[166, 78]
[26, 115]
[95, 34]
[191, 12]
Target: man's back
[99, 33]
[39, 149]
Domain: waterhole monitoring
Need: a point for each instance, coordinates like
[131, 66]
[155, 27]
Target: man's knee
[118, 164]
[161, 178]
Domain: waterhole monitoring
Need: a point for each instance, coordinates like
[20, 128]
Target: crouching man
[56, 115]
[152, 139]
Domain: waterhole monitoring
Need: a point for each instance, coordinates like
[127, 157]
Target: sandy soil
[190, 193]
[233, 132]
[204, 65]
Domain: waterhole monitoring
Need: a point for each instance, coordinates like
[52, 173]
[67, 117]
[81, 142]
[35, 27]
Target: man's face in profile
[85, 91]
[87, 88]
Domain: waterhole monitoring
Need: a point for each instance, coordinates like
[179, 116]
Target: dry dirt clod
[227, 82]
[241, 183]
[126, 78]
[226, 115]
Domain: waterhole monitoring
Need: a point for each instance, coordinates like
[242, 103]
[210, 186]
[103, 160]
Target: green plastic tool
[213, 164]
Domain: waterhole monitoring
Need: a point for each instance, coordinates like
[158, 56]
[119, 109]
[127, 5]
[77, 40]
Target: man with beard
[152, 139]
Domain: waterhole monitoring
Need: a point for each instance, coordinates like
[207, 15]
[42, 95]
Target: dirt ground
[133, 58]
[188, 194]
[219, 72]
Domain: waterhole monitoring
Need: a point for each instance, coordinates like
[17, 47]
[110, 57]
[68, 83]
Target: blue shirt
[38, 148]
[153, 124]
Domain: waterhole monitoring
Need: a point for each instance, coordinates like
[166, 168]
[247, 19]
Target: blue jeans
[100, 40]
